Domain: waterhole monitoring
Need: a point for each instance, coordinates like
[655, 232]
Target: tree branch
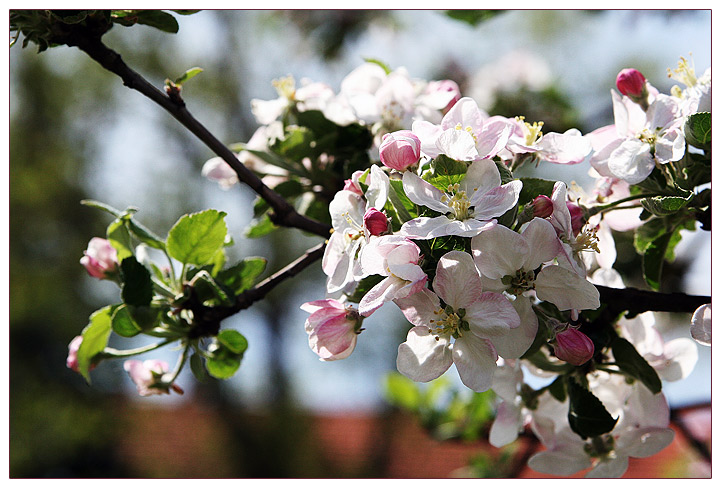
[283, 213]
[636, 301]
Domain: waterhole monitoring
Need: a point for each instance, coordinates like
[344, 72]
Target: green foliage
[224, 356]
[473, 17]
[196, 238]
[137, 287]
[243, 275]
[123, 323]
[533, 187]
[698, 130]
[445, 172]
[586, 414]
[95, 338]
[633, 364]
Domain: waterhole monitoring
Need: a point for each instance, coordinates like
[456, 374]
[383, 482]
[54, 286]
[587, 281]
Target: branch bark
[637, 301]
[283, 213]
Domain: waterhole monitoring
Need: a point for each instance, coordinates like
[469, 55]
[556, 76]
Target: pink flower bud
[577, 218]
[573, 346]
[375, 221]
[351, 186]
[631, 83]
[72, 361]
[100, 259]
[542, 206]
[400, 149]
[332, 328]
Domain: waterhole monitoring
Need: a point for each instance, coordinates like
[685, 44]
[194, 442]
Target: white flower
[468, 207]
[471, 316]
[701, 325]
[507, 261]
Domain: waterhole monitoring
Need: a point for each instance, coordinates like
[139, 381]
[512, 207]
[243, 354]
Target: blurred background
[76, 132]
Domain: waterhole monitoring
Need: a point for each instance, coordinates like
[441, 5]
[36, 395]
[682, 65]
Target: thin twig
[283, 213]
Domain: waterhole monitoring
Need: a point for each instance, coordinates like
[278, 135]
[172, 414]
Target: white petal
[566, 290]
[457, 144]
[497, 201]
[506, 426]
[482, 176]
[492, 315]
[428, 134]
[419, 308]
[493, 137]
[543, 243]
[612, 467]
[517, 341]
[680, 357]
[422, 357]
[631, 161]
[499, 251]
[378, 295]
[423, 193]
[377, 192]
[457, 281]
[559, 463]
[701, 325]
[475, 360]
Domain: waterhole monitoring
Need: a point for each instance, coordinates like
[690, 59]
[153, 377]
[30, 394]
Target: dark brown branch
[207, 319]
[637, 301]
[283, 213]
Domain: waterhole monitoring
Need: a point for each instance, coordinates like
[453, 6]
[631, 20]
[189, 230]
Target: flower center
[586, 240]
[355, 231]
[685, 73]
[458, 201]
[520, 282]
[647, 136]
[467, 129]
[532, 132]
[600, 447]
[448, 322]
[285, 87]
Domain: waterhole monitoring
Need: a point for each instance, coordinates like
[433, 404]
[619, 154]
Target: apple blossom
[570, 147]
[471, 317]
[396, 259]
[468, 207]
[148, 377]
[332, 328]
[400, 149]
[72, 360]
[508, 262]
[466, 133]
[100, 259]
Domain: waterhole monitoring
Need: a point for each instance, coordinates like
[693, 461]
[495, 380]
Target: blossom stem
[179, 366]
[109, 352]
[609, 206]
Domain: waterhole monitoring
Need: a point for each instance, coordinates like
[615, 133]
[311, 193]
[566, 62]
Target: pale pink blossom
[472, 317]
[100, 258]
[148, 377]
[570, 147]
[396, 259]
[332, 328]
[467, 207]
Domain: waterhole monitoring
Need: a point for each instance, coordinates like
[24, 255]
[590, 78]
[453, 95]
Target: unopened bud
[400, 149]
[577, 218]
[100, 259]
[632, 83]
[375, 221]
[573, 346]
[542, 206]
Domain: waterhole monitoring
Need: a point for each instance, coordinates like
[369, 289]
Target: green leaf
[102, 206]
[222, 366]
[631, 362]
[506, 174]
[364, 286]
[445, 172]
[158, 19]
[533, 187]
[472, 17]
[557, 389]
[191, 73]
[653, 259]
[95, 338]
[260, 227]
[119, 238]
[143, 234]
[243, 275]
[586, 414]
[399, 204]
[196, 366]
[137, 285]
[123, 323]
[196, 238]
[402, 392]
[665, 205]
[208, 289]
[698, 130]
[233, 341]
